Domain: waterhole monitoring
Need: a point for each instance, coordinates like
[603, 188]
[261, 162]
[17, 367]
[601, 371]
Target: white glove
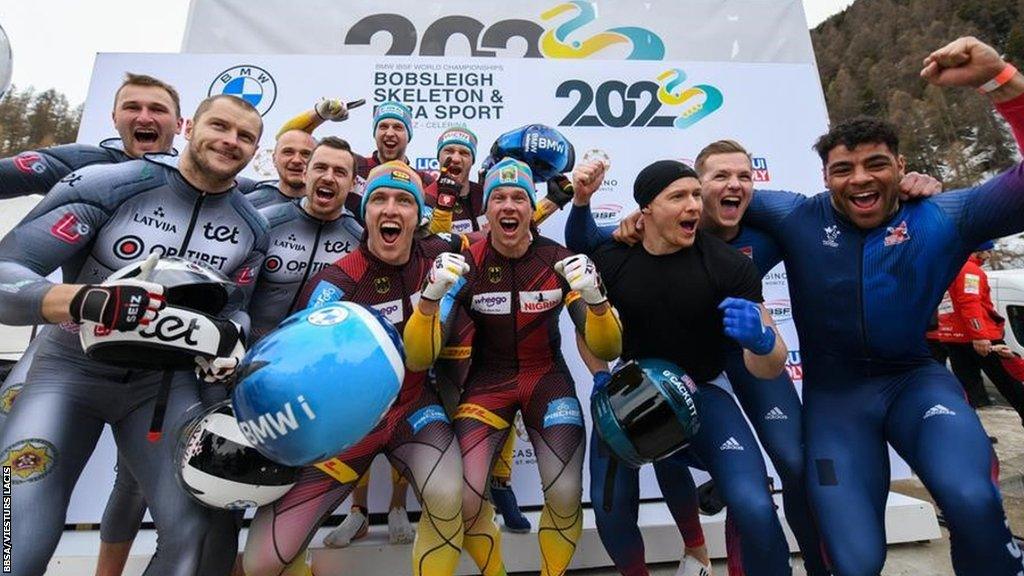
[581, 274]
[221, 368]
[447, 269]
[331, 109]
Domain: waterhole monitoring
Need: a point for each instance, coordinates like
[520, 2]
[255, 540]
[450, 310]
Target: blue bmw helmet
[545, 150]
[319, 383]
[648, 411]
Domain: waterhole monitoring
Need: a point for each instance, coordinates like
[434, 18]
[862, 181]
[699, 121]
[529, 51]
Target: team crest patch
[897, 234]
[7, 398]
[382, 285]
[494, 274]
[29, 460]
[508, 175]
[831, 236]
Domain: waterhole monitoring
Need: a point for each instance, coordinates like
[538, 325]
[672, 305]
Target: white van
[1008, 298]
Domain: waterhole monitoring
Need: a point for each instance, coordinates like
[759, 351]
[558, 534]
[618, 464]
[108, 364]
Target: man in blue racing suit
[866, 272]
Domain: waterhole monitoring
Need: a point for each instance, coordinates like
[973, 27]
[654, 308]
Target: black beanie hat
[653, 179]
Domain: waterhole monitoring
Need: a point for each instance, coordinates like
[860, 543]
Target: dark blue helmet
[647, 411]
[545, 150]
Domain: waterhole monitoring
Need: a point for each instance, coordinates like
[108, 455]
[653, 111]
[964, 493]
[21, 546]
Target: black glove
[447, 190]
[560, 190]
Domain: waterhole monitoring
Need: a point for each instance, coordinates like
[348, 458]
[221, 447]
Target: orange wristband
[1002, 78]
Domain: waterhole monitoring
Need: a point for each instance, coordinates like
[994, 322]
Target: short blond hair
[718, 147]
[147, 81]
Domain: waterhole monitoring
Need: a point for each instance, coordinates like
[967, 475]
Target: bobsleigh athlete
[384, 273]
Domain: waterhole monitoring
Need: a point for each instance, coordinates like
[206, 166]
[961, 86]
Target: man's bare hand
[631, 229]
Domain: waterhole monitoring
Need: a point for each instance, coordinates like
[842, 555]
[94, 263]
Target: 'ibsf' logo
[781, 309]
[760, 169]
[607, 214]
[250, 83]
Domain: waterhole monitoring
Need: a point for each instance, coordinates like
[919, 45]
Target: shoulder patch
[325, 293]
[972, 284]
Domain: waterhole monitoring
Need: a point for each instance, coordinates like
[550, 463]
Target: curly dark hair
[856, 131]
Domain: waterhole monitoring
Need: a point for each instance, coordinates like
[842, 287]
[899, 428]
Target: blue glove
[601, 379]
[742, 321]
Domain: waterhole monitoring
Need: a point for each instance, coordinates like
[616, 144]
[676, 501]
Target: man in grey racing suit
[94, 222]
[308, 236]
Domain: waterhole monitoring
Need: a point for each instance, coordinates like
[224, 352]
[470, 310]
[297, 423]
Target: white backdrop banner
[705, 30]
[630, 115]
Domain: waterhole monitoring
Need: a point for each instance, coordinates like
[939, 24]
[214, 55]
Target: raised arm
[589, 309]
[581, 232]
[423, 334]
[996, 207]
[333, 109]
[970, 62]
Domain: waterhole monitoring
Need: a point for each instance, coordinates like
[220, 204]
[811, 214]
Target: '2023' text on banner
[695, 30]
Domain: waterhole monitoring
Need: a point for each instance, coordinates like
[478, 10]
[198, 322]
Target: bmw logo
[328, 316]
[250, 83]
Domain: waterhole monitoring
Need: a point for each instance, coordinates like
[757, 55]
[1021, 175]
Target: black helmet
[181, 331]
[218, 467]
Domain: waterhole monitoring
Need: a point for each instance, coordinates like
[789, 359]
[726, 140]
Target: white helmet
[185, 328]
[218, 467]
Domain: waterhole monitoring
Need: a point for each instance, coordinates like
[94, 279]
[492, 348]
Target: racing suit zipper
[860, 299]
[309, 267]
[514, 313]
[192, 224]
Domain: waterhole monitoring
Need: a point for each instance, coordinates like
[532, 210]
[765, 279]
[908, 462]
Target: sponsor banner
[728, 30]
[624, 115]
